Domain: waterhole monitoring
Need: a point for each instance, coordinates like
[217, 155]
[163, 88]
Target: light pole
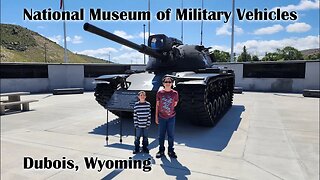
[45, 52]
[201, 32]
[144, 42]
[149, 19]
[65, 34]
[109, 57]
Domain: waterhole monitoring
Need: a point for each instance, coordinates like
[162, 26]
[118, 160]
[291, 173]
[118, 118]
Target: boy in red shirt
[167, 100]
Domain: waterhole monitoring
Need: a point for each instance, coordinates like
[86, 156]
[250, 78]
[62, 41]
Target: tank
[205, 91]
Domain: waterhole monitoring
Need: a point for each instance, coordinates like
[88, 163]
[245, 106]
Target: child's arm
[157, 111]
[149, 117]
[176, 100]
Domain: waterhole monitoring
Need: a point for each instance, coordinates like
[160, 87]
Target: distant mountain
[308, 52]
[311, 54]
[19, 44]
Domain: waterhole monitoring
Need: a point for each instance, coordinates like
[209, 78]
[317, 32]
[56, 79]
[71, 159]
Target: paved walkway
[263, 136]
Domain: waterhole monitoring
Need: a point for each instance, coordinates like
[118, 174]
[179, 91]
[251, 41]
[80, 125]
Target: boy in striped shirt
[142, 117]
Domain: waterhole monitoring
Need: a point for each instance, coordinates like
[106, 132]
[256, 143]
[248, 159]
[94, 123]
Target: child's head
[167, 82]
[142, 95]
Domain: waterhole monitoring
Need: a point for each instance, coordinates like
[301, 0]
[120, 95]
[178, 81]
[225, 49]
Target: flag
[61, 4]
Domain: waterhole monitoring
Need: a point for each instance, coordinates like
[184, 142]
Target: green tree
[244, 56]
[271, 57]
[290, 53]
[219, 56]
[255, 58]
[313, 57]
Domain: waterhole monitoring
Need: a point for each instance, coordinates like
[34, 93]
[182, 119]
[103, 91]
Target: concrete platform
[263, 136]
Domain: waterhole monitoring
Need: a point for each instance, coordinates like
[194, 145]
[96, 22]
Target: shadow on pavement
[174, 168]
[208, 138]
[140, 156]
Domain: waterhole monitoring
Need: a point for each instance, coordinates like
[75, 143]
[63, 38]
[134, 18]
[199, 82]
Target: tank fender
[110, 78]
[190, 78]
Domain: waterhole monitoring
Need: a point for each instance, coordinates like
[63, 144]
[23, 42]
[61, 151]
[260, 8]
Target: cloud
[303, 5]
[269, 30]
[225, 29]
[298, 27]
[123, 34]
[76, 40]
[123, 55]
[59, 39]
[146, 35]
[220, 48]
[125, 48]
[56, 39]
[68, 39]
[102, 53]
[129, 58]
[260, 47]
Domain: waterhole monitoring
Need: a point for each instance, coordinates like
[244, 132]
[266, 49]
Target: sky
[258, 36]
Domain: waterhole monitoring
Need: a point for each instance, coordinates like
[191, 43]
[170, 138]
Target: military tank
[205, 92]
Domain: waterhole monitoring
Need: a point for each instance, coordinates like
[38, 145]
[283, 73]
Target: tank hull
[204, 97]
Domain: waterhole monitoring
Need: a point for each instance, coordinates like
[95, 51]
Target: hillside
[19, 44]
[311, 53]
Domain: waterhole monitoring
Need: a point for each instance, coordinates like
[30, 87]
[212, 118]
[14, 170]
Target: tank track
[103, 93]
[204, 105]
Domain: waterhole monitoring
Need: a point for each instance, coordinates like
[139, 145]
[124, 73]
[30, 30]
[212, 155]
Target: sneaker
[145, 150]
[159, 154]
[172, 154]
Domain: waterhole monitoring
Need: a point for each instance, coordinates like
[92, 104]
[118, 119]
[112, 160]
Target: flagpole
[232, 33]
[201, 33]
[182, 23]
[65, 37]
[149, 20]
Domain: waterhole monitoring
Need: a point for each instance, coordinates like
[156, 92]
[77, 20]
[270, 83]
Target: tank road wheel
[223, 100]
[204, 104]
[229, 101]
[193, 104]
[214, 111]
[220, 106]
[226, 100]
[212, 107]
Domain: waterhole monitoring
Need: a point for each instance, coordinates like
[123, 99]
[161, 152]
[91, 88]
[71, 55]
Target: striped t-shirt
[142, 114]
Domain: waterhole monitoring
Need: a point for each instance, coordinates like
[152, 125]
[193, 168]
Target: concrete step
[67, 91]
[237, 90]
[311, 93]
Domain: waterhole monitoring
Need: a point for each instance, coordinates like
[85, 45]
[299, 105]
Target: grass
[19, 44]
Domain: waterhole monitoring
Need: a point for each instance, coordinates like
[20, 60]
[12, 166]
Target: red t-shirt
[167, 100]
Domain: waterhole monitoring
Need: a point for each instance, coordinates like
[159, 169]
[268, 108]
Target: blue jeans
[141, 132]
[166, 126]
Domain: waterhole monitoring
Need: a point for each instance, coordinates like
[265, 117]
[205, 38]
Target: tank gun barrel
[141, 48]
